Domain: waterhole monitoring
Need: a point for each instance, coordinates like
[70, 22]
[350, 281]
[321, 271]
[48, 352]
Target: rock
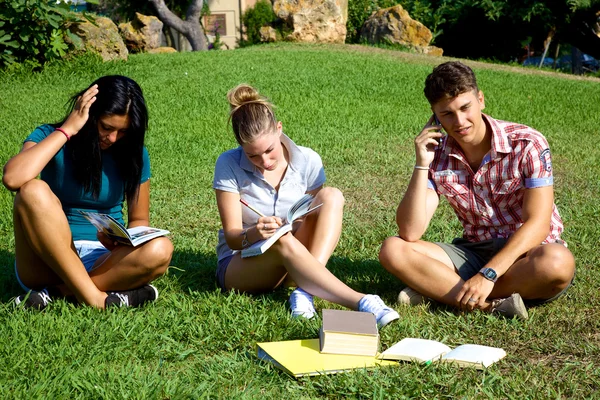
[162, 50]
[267, 34]
[314, 21]
[103, 39]
[394, 26]
[141, 34]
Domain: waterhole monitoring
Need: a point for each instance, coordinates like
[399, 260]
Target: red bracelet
[64, 133]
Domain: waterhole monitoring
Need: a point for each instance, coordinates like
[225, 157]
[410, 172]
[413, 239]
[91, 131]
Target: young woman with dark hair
[93, 160]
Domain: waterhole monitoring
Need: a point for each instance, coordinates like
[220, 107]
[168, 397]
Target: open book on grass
[117, 232]
[299, 209]
[424, 350]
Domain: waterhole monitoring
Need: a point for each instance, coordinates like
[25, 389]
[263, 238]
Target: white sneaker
[373, 304]
[411, 297]
[301, 304]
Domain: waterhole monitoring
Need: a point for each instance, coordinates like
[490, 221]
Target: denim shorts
[221, 269]
[469, 257]
[88, 250]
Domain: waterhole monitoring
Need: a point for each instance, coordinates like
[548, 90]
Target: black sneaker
[132, 298]
[36, 300]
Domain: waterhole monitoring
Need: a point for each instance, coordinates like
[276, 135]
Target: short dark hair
[449, 80]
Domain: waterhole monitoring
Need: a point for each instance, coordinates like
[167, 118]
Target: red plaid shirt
[489, 202]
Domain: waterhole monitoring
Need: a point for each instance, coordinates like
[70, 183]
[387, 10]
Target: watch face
[490, 274]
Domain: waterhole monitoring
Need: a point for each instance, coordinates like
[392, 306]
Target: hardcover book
[349, 332]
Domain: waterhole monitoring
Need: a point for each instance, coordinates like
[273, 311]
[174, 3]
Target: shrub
[420, 10]
[256, 17]
[33, 31]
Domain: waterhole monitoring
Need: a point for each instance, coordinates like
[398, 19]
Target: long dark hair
[117, 95]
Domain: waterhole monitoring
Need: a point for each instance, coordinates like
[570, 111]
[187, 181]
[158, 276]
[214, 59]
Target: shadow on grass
[196, 272]
[9, 287]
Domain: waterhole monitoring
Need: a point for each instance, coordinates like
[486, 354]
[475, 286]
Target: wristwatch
[489, 274]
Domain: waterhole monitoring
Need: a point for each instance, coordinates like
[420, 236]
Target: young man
[497, 176]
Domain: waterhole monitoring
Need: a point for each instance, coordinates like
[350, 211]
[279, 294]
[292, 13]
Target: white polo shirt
[235, 173]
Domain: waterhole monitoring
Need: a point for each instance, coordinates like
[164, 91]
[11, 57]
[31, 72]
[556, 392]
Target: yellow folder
[302, 357]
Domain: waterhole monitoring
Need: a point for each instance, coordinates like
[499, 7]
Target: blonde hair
[250, 113]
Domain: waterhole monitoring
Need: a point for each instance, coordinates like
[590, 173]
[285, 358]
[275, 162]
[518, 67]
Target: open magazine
[117, 232]
[299, 209]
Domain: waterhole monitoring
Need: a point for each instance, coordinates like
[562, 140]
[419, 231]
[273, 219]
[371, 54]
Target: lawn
[359, 108]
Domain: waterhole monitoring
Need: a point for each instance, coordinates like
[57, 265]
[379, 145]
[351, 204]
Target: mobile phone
[437, 122]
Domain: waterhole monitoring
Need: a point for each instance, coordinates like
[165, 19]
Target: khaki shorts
[469, 257]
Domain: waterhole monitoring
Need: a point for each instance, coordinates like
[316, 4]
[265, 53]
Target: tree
[499, 28]
[190, 27]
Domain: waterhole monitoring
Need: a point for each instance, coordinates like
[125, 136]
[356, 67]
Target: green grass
[359, 108]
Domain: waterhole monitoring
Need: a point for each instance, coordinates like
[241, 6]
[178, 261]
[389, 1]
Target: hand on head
[81, 112]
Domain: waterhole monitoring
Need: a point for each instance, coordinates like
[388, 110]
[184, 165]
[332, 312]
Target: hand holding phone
[427, 141]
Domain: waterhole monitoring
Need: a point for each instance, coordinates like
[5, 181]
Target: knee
[157, 255]
[331, 196]
[286, 247]
[558, 264]
[391, 253]
[35, 194]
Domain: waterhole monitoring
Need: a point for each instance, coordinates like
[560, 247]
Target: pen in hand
[244, 202]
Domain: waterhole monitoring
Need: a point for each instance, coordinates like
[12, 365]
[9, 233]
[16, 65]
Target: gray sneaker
[510, 307]
[410, 297]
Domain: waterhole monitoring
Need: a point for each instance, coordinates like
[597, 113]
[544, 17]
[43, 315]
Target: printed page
[412, 349]
[142, 234]
[475, 354]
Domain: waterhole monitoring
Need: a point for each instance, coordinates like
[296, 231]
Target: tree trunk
[190, 28]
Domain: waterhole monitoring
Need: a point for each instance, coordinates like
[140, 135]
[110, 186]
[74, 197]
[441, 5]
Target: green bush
[358, 12]
[430, 15]
[33, 31]
[256, 17]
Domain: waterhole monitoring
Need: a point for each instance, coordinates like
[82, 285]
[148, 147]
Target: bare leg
[288, 255]
[44, 249]
[543, 273]
[424, 267]
[320, 231]
[130, 267]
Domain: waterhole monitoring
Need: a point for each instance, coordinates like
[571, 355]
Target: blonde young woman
[270, 172]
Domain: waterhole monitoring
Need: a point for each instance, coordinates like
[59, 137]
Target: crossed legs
[301, 257]
[541, 274]
[46, 256]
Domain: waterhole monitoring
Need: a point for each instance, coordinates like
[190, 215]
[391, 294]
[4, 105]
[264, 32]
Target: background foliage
[491, 29]
[261, 14]
[34, 31]
[360, 109]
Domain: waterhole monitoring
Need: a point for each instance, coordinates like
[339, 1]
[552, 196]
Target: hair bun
[243, 94]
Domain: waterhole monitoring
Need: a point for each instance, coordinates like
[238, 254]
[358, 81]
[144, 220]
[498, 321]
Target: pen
[244, 202]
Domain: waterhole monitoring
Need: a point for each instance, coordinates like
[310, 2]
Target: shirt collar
[500, 140]
[296, 162]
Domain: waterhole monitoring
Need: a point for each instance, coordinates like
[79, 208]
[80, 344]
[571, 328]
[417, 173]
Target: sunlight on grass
[360, 110]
